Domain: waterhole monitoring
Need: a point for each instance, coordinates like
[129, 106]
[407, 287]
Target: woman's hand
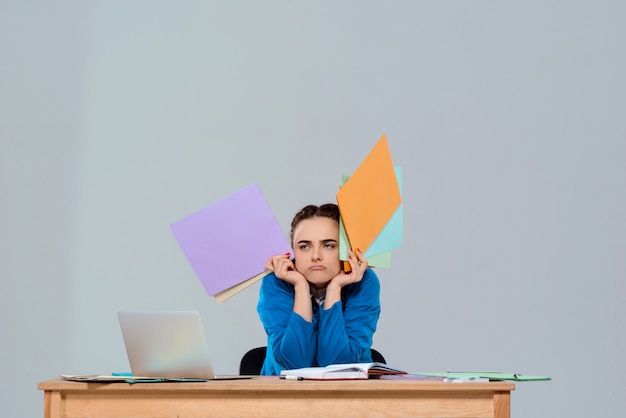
[284, 269]
[358, 265]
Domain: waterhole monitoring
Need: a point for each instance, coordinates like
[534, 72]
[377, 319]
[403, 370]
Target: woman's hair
[327, 210]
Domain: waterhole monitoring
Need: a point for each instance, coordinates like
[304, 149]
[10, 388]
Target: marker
[292, 377]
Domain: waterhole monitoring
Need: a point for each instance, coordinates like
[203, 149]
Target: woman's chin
[318, 280]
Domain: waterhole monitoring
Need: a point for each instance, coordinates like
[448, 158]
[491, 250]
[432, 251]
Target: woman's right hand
[284, 269]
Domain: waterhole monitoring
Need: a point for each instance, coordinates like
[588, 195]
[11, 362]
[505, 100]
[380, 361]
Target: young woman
[313, 312]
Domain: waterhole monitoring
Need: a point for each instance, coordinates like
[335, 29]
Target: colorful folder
[228, 243]
[390, 238]
[370, 204]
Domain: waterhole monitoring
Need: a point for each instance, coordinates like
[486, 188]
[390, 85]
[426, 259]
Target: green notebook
[489, 375]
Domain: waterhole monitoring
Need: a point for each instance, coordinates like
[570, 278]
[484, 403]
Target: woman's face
[316, 248]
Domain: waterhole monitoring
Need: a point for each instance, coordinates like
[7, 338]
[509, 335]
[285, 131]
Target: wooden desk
[272, 397]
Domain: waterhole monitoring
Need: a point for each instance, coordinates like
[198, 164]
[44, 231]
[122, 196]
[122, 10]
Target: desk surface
[270, 396]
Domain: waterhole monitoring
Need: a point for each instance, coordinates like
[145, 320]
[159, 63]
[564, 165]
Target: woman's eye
[304, 247]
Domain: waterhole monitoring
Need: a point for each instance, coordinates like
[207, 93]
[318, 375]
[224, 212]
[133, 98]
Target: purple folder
[230, 241]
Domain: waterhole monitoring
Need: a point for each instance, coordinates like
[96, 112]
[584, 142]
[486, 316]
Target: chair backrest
[252, 362]
[377, 357]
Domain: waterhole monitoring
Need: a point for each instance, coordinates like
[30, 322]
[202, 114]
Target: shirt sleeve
[291, 340]
[345, 336]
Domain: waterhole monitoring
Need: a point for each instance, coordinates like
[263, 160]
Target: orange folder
[370, 198]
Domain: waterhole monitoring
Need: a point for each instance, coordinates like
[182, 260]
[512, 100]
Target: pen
[292, 377]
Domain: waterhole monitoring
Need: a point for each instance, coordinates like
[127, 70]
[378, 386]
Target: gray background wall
[118, 118]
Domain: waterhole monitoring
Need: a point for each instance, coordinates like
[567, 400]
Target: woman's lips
[316, 267]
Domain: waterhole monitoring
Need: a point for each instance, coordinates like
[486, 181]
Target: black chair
[252, 362]
[377, 357]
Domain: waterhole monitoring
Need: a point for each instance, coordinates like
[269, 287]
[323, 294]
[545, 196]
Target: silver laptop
[166, 344]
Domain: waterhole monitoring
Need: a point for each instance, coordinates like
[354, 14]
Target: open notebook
[341, 372]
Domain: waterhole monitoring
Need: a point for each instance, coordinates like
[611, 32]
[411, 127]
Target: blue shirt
[341, 334]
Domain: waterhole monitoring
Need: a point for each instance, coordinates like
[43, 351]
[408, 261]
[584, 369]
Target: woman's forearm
[302, 301]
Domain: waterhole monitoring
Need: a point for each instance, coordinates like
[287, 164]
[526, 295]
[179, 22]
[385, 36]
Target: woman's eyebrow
[324, 241]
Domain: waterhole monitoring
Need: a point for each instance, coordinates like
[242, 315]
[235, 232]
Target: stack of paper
[229, 242]
[370, 203]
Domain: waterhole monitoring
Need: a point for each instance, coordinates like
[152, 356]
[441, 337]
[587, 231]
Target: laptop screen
[166, 344]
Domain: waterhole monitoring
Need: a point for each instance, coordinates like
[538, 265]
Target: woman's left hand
[358, 265]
